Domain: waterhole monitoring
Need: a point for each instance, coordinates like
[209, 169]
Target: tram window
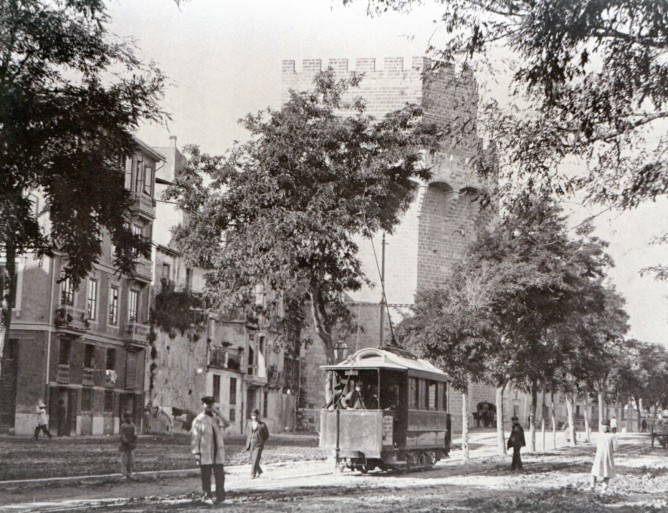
[442, 397]
[431, 396]
[413, 393]
[424, 404]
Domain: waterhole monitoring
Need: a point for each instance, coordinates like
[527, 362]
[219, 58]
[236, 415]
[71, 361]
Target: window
[216, 387]
[86, 399]
[64, 352]
[442, 397]
[233, 391]
[166, 271]
[137, 231]
[128, 174]
[139, 174]
[67, 292]
[413, 393]
[432, 396]
[113, 305]
[108, 401]
[91, 299]
[133, 306]
[233, 414]
[265, 402]
[189, 279]
[148, 179]
[111, 359]
[89, 355]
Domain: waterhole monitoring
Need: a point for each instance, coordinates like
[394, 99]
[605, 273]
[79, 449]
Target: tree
[67, 117]
[281, 211]
[453, 327]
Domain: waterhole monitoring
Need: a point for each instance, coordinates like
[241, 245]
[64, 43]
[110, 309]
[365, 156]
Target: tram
[401, 421]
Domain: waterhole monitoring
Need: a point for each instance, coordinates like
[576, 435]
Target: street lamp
[340, 351]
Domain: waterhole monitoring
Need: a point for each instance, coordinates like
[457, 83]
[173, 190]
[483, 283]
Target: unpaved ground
[554, 482]
[23, 458]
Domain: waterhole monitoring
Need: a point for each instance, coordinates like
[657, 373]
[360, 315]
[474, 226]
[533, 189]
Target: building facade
[82, 350]
[239, 360]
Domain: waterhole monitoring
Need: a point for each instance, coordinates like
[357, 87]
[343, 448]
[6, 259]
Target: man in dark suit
[257, 436]
[516, 441]
[355, 399]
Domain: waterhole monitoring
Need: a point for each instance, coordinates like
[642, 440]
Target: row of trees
[530, 305]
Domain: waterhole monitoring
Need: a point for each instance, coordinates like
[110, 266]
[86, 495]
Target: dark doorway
[10, 366]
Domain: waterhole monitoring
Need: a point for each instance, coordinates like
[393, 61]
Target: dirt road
[553, 482]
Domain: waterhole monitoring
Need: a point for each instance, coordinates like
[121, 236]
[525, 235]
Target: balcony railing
[143, 204]
[221, 358]
[63, 374]
[71, 319]
[275, 378]
[137, 333]
[143, 270]
[88, 377]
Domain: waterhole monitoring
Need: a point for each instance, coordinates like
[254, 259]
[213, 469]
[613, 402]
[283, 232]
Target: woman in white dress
[604, 461]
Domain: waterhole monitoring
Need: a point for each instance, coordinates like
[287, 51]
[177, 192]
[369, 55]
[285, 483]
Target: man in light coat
[209, 449]
[42, 421]
[258, 433]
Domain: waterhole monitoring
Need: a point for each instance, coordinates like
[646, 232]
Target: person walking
[516, 441]
[604, 460]
[128, 445]
[613, 424]
[42, 423]
[257, 436]
[209, 449]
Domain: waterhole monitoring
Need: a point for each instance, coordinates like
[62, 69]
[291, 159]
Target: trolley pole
[382, 289]
[338, 448]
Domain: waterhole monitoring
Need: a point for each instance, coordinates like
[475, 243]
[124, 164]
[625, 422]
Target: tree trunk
[637, 401]
[601, 409]
[554, 422]
[586, 418]
[532, 417]
[322, 328]
[542, 422]
[7, 286]
[465, 425]
[571, 420]
[500, 434]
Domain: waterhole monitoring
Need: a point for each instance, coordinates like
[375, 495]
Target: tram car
[386, 409]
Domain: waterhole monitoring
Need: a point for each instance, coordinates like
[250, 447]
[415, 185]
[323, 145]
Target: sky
[223, 59]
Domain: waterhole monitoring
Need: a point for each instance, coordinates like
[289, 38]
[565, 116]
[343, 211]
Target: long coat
[604, 461]
[203, 430]
[256, 438]
[516, 439]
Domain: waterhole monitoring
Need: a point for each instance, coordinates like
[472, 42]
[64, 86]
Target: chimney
[172, 141]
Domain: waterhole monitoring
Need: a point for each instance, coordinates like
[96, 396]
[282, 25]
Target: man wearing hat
[516, 441]
[209, 449]
[42, 422]
[257, 436]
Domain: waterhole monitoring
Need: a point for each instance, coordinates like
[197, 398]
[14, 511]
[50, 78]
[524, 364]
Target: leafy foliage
[175, 310]
[282, 209]
[66, 118]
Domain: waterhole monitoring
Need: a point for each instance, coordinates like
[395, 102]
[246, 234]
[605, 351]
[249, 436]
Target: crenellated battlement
[362, 65]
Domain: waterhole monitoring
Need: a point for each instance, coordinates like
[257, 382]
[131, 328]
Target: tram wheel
[433, 458]
[364, 469]
[423, 459]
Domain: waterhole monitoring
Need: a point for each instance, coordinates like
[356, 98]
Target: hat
[514, 418]
[255, 412]
[207, 399]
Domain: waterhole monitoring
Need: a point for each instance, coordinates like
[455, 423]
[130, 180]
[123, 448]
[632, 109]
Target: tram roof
[394, 359]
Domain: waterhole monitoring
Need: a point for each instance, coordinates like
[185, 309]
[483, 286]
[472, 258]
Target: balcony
[143, 270]
[88, 377]
[63, 374]
[275, 378]
[221, 358]
[137, 333]
[143, 205]
[71, 320]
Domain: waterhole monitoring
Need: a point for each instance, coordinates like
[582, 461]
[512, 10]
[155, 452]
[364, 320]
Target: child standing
[128, 444]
